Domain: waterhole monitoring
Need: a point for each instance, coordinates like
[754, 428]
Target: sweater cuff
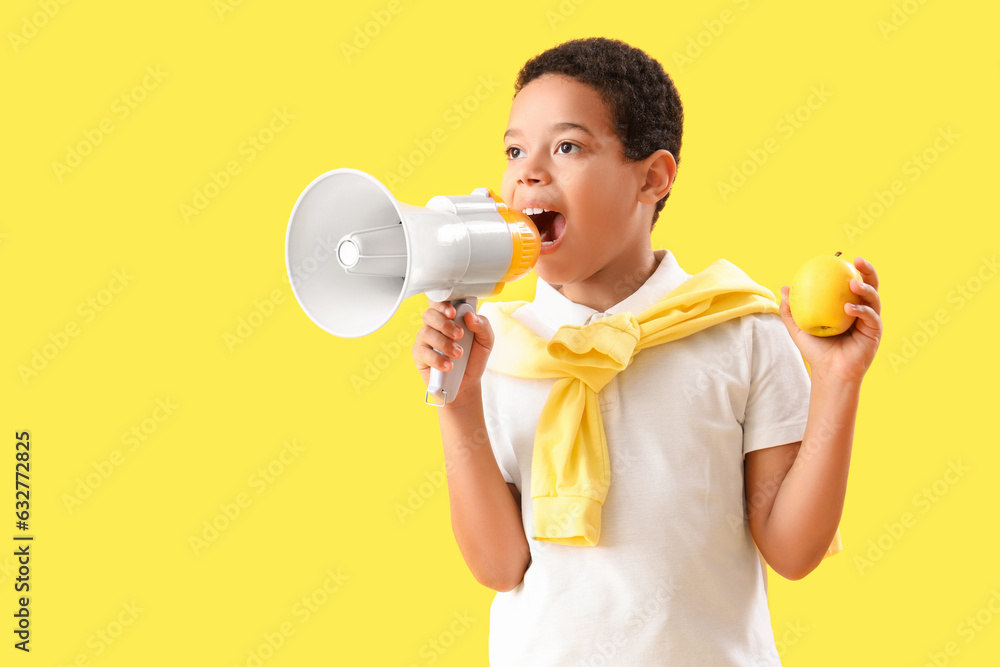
[572, 520]
[836, 547]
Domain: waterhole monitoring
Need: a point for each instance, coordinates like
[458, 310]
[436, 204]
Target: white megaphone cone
[353, 253]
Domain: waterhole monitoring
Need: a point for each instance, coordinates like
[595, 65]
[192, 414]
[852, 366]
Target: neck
[614, 283]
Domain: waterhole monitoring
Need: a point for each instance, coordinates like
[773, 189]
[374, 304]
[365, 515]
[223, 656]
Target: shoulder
[771, 353]
[509, 318]
[500, 310]
[764, 329]
[499, 314]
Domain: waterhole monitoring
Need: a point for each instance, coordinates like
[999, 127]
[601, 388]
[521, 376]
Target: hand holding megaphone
[444, 345]
[354, 253]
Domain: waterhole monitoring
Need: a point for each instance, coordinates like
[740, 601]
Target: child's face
[563, 155]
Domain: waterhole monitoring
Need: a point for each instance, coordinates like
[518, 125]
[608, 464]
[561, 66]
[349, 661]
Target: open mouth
[550, 224]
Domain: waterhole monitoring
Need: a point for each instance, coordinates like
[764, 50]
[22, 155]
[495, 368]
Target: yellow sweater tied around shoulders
[570, 467]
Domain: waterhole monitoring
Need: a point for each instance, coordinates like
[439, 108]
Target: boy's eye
[512, 152]
[566, 151]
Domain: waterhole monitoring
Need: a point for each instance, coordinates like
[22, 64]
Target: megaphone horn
[353, 254]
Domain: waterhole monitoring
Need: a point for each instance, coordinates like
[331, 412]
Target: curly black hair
[645, 107]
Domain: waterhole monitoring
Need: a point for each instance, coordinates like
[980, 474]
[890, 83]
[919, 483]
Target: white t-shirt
[676, 577]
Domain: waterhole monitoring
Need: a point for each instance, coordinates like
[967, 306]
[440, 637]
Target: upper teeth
[534, 211]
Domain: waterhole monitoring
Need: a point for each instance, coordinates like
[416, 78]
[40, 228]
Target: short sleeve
[500, 442]
[778, 398]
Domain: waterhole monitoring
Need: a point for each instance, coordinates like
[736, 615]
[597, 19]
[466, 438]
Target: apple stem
[838, 254]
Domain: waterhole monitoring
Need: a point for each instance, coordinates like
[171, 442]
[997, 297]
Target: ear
[656, 173]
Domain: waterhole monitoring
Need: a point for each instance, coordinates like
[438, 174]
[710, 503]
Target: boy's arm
[485, 515]
[795, 492]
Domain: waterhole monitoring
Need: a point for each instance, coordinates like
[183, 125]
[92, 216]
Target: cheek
[588, 189]
[591, 180]
[574, 184]
[507, 187]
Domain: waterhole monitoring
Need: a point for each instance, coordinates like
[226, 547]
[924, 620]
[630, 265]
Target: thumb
[479, 325]
[785, 310]
[474, 320]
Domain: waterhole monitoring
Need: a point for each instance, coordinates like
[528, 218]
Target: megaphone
[353, 254]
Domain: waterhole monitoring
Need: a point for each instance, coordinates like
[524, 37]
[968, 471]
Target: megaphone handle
[442, 387]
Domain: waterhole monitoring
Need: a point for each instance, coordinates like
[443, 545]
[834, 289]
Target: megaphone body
[353, 254]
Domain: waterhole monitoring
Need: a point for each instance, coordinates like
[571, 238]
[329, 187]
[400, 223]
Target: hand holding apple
[840, 301]
[818, 293]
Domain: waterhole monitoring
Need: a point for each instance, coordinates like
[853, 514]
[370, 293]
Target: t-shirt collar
[551, 310]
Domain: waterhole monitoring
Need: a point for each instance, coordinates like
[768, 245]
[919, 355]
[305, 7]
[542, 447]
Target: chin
[552, 272]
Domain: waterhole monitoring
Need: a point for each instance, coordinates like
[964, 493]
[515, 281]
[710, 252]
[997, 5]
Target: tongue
[555, 229]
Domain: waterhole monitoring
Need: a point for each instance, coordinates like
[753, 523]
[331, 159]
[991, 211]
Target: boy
[621, 503]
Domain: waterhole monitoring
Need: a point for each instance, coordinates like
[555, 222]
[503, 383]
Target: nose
[532, 169]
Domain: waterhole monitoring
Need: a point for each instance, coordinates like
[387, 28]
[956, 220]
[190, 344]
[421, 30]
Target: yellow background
[898, 74]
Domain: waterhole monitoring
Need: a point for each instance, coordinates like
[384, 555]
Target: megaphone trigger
[442, 386]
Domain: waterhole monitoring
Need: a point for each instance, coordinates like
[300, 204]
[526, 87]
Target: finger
[477, 323]
[869, 322]
[481, 330]
[426, 357]
[867, 271]
[783, 307]
[435, 339]
[785, 310]
[869, 295]
[444, 306]
[439, 320]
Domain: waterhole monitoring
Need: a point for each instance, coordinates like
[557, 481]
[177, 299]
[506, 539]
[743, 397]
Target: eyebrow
[565, 125]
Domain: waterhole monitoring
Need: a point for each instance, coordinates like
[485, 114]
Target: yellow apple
[818, 293]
